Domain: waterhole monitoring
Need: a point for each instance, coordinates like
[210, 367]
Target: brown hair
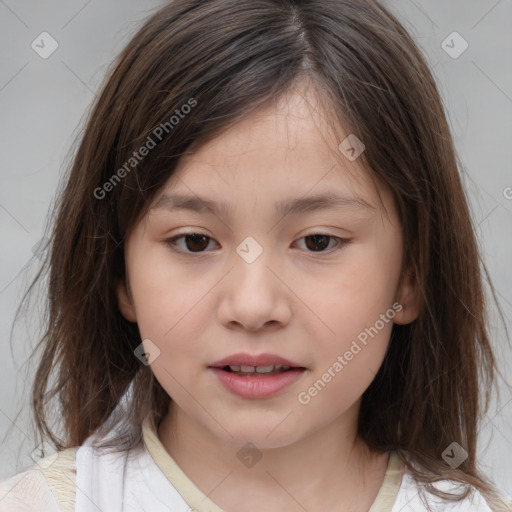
[227, 58]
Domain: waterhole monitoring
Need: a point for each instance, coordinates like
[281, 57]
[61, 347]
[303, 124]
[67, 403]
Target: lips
[260, 376]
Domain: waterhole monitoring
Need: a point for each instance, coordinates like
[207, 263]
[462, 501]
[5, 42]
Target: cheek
[165, 292]
[359, 337]
[345, 369]
[174, 321]
[368, 281]
[356, 312]
[356, 296]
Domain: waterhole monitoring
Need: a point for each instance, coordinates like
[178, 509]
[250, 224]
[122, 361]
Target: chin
[263, 435]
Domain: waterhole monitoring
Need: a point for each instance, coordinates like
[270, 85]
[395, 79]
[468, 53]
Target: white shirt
[148, 479]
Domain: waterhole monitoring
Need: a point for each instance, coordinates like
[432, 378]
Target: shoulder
[47, 486]
[25, 492]
[409, 499]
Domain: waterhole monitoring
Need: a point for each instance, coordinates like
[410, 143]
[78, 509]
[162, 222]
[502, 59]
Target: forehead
[286, 150]
[294, 124]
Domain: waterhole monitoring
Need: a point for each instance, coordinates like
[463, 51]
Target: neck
[330, 469]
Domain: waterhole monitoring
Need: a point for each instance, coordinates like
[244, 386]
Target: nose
[255, 296]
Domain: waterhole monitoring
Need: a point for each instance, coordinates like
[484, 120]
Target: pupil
[196, 238]
[317, 240]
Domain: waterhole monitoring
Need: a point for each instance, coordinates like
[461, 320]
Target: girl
[264, 284]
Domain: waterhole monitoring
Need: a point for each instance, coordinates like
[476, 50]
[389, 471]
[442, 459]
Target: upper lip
[253, 360]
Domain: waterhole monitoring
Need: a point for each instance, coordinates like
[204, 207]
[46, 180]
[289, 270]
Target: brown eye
[194, 242]
[317, 242]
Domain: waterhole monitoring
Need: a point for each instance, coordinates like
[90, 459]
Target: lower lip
[260, 386]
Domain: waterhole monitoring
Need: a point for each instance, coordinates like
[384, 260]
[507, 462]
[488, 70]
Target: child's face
[304, 299]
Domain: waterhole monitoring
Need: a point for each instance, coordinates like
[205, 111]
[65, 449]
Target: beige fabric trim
[27, 492]
[46, 486]
[390, 486]
[60, 473]
[201, 503]
[181, 482]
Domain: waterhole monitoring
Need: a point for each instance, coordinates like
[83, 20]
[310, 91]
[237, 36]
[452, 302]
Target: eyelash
[341, 243]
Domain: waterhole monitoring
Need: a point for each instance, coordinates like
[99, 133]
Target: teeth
[264, 369]
[257, 369]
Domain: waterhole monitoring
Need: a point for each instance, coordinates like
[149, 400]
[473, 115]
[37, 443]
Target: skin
[304, 305]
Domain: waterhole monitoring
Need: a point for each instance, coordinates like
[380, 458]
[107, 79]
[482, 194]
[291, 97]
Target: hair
[227, 59]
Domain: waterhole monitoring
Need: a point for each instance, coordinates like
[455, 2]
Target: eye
[318, 242]
[197, 242]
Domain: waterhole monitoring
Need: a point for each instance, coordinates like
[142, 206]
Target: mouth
[248, 365]
[260, 376]
[258, 371]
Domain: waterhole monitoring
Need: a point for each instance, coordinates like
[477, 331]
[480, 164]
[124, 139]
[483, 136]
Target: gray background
[43, 101]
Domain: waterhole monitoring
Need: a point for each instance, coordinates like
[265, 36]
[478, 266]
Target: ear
[409, 298]
[125, 301]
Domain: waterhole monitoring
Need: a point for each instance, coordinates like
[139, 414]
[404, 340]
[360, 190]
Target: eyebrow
[296, 206]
